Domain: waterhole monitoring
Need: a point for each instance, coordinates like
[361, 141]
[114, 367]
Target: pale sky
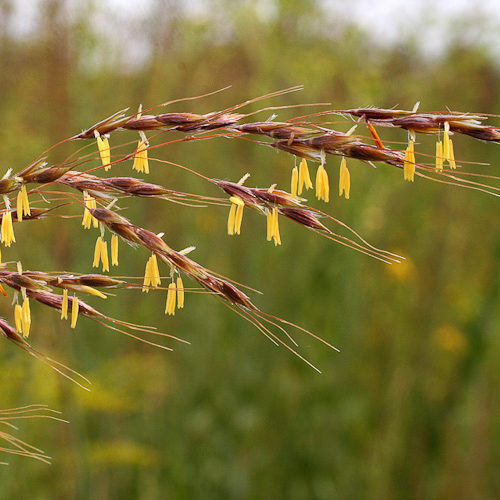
[387, 20]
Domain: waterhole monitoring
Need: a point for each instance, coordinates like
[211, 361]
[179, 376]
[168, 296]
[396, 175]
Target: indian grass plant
[92, 184]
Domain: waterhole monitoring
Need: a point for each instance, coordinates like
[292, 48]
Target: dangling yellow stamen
[18, 315]
[137, 165]
[319, 183]
[295, 181]
[75, 307]
[326, 186]
[238, 219]
[104, 256]
[344, 179]
[446, 141]
[23, 204]
[104, 152]
[26, 317]
[277, 237]
[91, 291]
[322, 184]
[273, 230]
[141, 158]
[180, 293]
[270, 223]
[64, 305]
[409, 162]
[88, 218]
[19, 207]
[300, 187]
[97, 252]
[231, 219]
[304, 177]
[151, 274]
[155, 272]
[114, 250]
[26, 201]
[171, 299]
[235, 215]
[451, 159]
[147, 277]
[7, 230]
[439, 155]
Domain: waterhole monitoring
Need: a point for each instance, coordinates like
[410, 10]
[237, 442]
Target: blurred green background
[409, 409]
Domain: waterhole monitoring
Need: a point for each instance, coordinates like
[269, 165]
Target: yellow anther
[7, 230]
[147, 277]
[155, 272]
[88, 218]
[344, 180]
[97, 252]
[114, 250]
[180, 293]
[91, 291]
[23, 204]
[171, 299]
[75, 307]
[409, 162]
[238, 219]
[18, 315]
[451, 159]
[231, 219]
[64, 305]
[26, 317]
[101, 254]
[446, 141]
[322, 184]
[304, 177]
[104, 152]
[439, 155]
[19, 207]
[270, 223]
[273, 230]
[151, 274]
[104, 256]
[276, 235]
[141, 158]
[295, 181]
[235, 215]
[25, 201]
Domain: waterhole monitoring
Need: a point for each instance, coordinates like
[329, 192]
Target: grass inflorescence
[76, 187]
